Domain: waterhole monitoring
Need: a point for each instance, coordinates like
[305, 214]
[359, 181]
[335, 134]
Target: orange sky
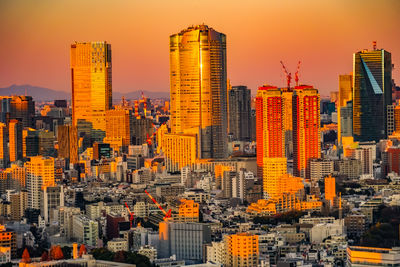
[36, 35]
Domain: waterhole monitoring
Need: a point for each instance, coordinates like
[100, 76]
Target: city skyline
[254, 48]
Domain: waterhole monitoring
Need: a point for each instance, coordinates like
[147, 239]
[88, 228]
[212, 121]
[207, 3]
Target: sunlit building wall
[4, 156]
[330, 189]
[306, 128]
[118, 127]
[67, 137]
[15, 140]
[242, 250]
[345, 95]
[91, 82]
[198, 87]
[273, 171]
[372, 93]
[39, 174]
[180, 150]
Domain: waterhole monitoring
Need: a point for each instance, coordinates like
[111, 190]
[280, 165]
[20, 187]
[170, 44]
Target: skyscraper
[240, 113]
[4, 158]
[345, 96]
[91, 83]
[67, 136]
[22, 108]
[372, 93]
[270, 125]
[198, 84]
[306, 128]
[15, 140]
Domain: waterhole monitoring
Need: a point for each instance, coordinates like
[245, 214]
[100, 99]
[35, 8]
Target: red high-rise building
[269, 125]
[306, 128]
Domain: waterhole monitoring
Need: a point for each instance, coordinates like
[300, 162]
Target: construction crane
[131, 214]
[166, 214]
[296, 75]
[287, 74]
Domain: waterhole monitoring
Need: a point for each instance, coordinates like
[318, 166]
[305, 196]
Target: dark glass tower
[372, 93]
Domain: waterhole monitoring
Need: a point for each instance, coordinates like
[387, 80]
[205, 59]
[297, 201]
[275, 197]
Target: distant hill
[38, 93]
[46, 94]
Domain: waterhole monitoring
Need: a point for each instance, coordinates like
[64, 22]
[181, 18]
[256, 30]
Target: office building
[180, 151]
[242, 250]
[46, 143]
[239, 99]
[85, 230]
[394, 159]
[185, 240]
[320, 168]
[287, 98]
[67, 139]
[141, 129]
[101, 150]
[21, 108]
[368, 256]
[188, 211]
[4, 156]
[270, 125]
[39, 174]
[306, 129]
[30, 142]
[118, 127]
[372, 93]
[91, 84]
[345, 120]
[349, 167]
[198, 87]
[15, 140]
[397, 118]
[52, 198]
[19, 203]
[390, 124]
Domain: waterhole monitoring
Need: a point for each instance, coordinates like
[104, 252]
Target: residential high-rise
[270, 125]
[198, 87]
[372, 93]
[39, 174]
[15, 140]
[239, 113]
[67, 138]
[397, 119]
[180, 150]
[242, 250]
[306, 128]
[345, 95]
[91, 83]
[4, 156]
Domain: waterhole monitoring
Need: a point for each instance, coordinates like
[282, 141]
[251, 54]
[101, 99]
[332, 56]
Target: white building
[85, 230]
[118, 244]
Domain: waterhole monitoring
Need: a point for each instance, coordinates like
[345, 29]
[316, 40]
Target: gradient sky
[36, 35]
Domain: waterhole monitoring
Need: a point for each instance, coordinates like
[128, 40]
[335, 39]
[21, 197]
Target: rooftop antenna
[374, 45]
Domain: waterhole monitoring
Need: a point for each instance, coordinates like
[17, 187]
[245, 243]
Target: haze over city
[322, 34]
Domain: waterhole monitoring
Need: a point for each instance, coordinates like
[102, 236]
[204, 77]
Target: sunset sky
[36, 36]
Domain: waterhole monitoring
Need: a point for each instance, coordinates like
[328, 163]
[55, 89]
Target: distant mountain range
[46, 94]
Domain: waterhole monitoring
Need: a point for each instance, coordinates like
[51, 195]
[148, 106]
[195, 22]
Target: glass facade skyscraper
[91, 83]
[372, 93]
[198, 84]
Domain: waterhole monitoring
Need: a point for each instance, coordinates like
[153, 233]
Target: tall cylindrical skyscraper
[198, 83]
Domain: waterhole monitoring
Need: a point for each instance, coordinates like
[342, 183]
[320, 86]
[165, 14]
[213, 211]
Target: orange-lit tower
[91, 82]
[242, 250]
[306, 128]
[15, 140]
[330, 189]
[269, 125]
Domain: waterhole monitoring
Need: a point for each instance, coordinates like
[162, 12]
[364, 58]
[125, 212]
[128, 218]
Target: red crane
[296, 75]
[166, 214]
[287, 74]
[130, 213]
